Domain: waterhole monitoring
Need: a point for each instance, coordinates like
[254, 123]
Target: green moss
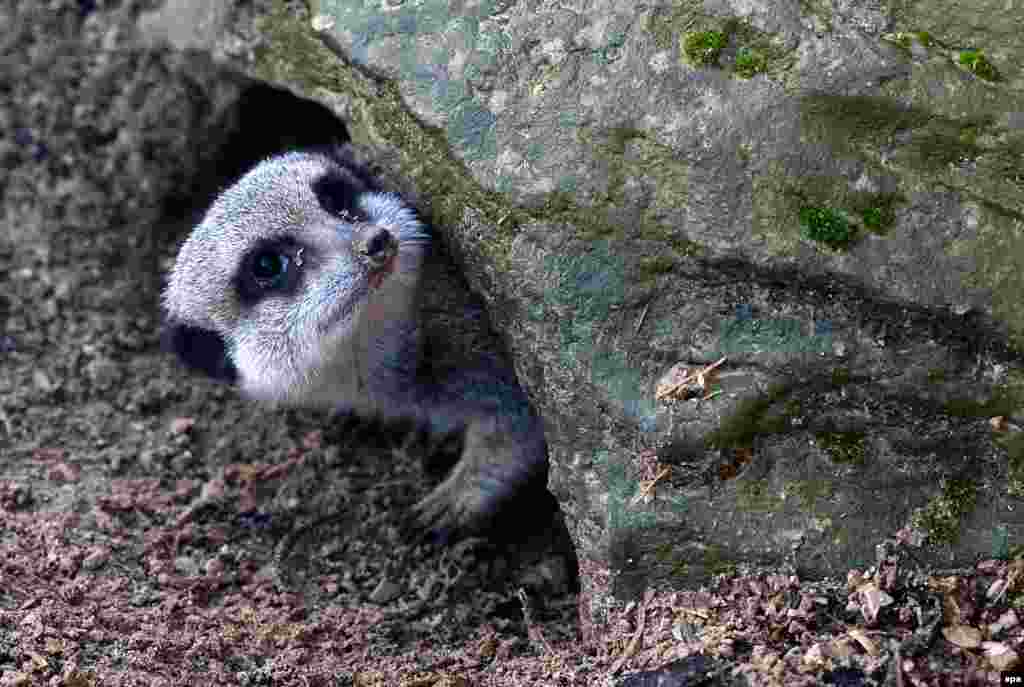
[827, 226]
[872, 218]
[793, 408]
[846, 121]
[840, 376]
[976, 62]
[906, 39]
[702, 48]
[628, 152]
[822, 208]
[877, 211]
[759, 52]
[820, 9]
[1013, 444]
[716, 561]
[653, 231]
[811, 491]
[942, 517]
[681, 562]
[844, 447]
[753, 496]
[701, 38]
[619, 136]
[751, 418]
[749, 63]
[1006, 400]
[656, 266]
[998, 255]
[666, 23]
[783, 199]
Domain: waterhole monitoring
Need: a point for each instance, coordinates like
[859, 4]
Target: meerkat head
[294, 280]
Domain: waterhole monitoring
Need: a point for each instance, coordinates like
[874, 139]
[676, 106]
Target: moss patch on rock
[703, 48]
[1013, 444]
[979, 65]
[826, 225]
[749, 63]
[844, 447]
[942, 517]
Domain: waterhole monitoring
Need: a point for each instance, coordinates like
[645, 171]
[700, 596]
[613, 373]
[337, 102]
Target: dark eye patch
[269, 267]
[200, 349]
[338, 193]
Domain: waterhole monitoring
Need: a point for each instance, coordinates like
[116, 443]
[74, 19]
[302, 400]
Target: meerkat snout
[374, 244]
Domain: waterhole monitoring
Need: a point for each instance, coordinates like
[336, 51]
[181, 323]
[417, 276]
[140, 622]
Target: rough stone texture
[651, 211]
[623, 209]
[597, 100]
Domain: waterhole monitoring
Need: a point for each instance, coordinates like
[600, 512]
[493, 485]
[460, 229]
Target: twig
[643, 316]
[696, 374]
[646, 487]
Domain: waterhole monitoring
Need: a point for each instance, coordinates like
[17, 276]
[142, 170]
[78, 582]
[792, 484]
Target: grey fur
[349, 330]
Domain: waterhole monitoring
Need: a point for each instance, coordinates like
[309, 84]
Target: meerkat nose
[375, 245]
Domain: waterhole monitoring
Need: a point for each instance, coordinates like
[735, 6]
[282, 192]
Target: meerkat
[307, 284]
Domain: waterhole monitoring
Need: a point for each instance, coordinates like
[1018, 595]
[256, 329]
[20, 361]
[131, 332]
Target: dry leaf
[963, 636]
[672, 381]
[996, 589]
[646, 491]
[814, 657]
[680, 382]
[1000, 655]
[843, 648]
[872, 601]
[862, 638]
[998, 423]
[1006, 621]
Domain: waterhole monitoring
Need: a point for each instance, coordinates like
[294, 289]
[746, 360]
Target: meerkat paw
[452, 510]
[498, 466]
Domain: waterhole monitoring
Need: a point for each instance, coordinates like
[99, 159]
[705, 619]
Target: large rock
[827, 195]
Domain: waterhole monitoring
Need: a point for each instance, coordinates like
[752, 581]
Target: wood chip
[964, 636]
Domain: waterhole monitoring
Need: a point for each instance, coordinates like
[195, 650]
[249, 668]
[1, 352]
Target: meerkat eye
[270, 269]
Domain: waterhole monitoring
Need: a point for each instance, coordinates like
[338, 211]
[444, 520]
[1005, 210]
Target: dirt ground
[157, 530]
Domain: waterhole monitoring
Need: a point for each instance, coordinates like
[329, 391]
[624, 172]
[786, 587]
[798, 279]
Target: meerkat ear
[200, 349]
[345, 155]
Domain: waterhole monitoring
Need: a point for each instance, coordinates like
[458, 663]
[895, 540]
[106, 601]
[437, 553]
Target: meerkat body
[307, 284]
